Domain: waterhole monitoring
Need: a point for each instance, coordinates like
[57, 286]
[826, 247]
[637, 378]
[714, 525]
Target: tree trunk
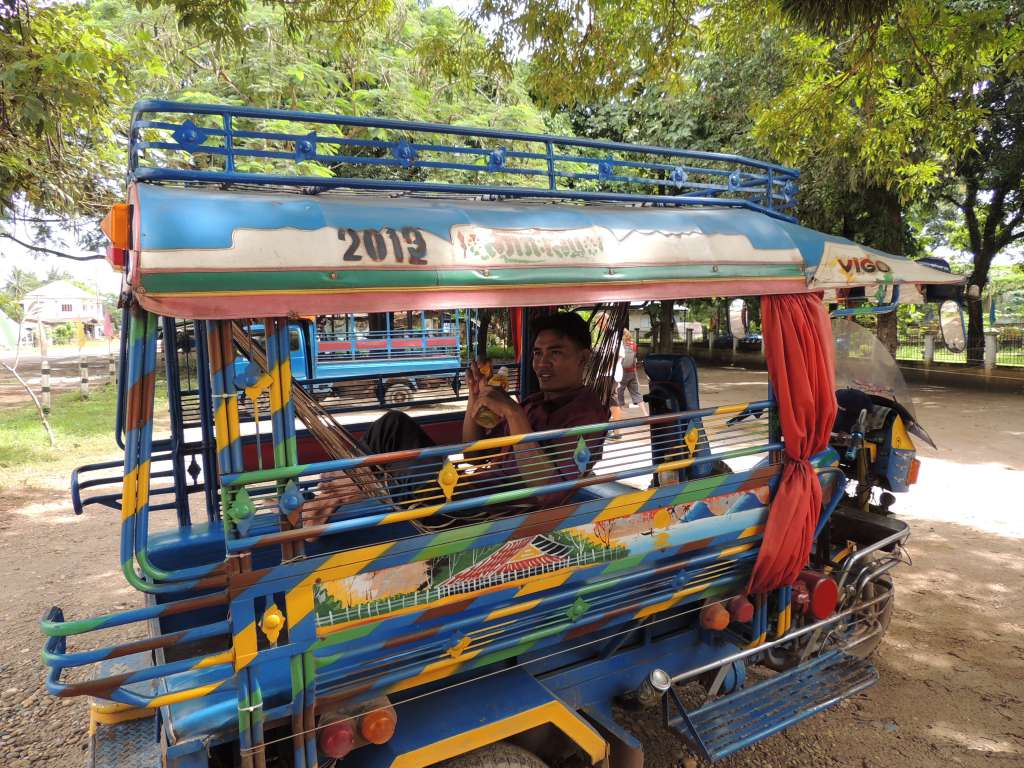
[975, 332]
[666, 329]
[975, 309]
[887, 234]
[483, 328]
[887, 332]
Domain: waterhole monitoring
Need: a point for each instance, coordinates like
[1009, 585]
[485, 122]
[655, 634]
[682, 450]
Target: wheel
[398, 393]
[500, 755]
[859, 635]
[864, 631]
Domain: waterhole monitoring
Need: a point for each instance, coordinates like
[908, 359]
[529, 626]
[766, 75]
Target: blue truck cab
[402, 355]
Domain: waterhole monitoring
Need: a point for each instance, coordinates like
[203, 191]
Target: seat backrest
[673, 383]
[673, 389]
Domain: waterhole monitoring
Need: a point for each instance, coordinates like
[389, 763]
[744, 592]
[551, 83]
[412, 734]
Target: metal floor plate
[131, 744]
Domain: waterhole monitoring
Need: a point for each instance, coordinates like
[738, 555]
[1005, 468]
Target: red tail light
[741, 609]
[915, 468]
[818, 596]
[337, 739]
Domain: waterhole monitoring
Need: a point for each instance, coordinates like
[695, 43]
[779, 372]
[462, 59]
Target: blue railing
[179, 142]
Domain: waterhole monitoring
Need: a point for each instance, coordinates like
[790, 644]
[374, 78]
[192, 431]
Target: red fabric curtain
[516, 323]
[798, 349]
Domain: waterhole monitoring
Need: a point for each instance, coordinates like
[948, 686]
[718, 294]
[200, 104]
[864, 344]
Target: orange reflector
[378, 726]
[116, 225]
[915, 468]
[714, 617]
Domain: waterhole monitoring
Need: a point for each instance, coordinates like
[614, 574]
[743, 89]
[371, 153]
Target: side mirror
[951, 323]
[738, 318]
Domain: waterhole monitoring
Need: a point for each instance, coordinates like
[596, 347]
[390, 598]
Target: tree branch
[39, 408]
[49, 251]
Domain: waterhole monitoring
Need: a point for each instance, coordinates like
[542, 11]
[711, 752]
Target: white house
[63, 302]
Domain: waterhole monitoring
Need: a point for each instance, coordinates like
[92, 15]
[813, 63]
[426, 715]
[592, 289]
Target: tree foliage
[60, 77]
[70, 74]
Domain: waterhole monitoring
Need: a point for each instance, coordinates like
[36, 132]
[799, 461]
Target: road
[950, 666]
[64, 373]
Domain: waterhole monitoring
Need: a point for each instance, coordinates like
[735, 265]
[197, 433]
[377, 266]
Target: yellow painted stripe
[275, 390]
[100, 716]
[552, 713]
[512, 610]
[220, 424]
[751, 531]
[664, 605]
[729, 551]
[245, 646]
[339, 566]
[142, 488]
[179, 696]
[128, 491]
[556, 579]
[626, 505]
[225, 657]
[724, 410]
[409, 514]
[433, 672]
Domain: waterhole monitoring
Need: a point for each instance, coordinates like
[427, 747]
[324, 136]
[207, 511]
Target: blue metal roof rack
[229, 145]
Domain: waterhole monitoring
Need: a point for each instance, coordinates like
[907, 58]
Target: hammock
[336, 441]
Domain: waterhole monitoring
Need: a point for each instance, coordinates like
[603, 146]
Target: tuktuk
[481, 620]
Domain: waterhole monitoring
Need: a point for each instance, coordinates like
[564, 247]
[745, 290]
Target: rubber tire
[864, 650]
[500, 755]
[399, 393]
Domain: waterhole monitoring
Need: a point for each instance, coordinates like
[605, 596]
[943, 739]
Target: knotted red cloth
[799, 352]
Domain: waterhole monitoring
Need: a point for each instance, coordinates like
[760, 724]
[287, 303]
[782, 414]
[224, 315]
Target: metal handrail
[672, 176]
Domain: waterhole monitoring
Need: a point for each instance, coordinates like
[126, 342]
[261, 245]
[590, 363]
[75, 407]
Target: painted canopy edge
[208, 254]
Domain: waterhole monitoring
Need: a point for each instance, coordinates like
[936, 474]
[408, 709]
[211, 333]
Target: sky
[97, 274]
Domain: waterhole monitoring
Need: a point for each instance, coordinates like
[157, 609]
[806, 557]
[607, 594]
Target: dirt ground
[64, 371]
[951, 665]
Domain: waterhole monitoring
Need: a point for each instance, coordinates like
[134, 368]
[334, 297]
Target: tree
[19, 283]
[877, 99]
[988, 191]
[62, 81]
[70, 73]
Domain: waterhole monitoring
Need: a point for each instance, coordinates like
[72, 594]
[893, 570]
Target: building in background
[63, 302]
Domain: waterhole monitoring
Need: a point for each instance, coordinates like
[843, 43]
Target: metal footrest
[743, 718]
[127, 739]
[131, 744]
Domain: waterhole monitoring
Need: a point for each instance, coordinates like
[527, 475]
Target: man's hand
[476, 381]
[499, 401]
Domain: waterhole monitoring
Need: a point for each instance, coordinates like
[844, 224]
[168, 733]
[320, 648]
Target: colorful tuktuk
[303, 613]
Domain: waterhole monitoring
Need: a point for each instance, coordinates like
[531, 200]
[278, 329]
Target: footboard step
[126, 739]
[738, 720]
[131, 744]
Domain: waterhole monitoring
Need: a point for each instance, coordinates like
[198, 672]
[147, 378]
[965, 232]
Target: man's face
[558, 362]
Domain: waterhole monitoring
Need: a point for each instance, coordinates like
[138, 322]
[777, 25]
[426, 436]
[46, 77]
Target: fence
[1003, 346]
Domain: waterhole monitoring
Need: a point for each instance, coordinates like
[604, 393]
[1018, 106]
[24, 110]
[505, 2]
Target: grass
[82, 428]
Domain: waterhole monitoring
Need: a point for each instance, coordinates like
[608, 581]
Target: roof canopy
[212, 254]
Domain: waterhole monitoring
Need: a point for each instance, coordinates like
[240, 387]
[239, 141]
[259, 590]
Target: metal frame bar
[761, 186]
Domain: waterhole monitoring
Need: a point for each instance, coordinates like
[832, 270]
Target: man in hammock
[561, 348]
